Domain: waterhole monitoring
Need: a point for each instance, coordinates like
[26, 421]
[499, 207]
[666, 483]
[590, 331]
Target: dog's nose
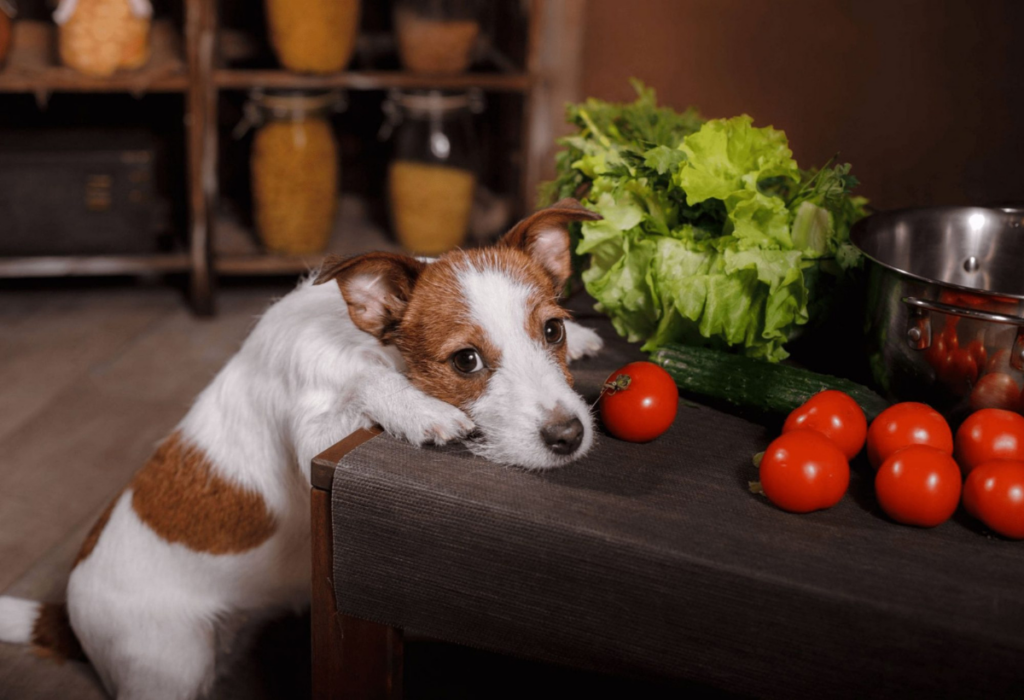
[564, 436]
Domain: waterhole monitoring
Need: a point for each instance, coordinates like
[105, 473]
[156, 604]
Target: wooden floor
[90, 379]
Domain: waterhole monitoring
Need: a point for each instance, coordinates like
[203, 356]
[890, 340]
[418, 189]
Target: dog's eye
[554, 331]
[467, 361]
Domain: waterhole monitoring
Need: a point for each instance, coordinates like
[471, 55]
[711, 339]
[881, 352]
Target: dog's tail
[43, 625]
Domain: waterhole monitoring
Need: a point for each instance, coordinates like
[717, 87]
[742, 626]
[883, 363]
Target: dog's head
[481, 329]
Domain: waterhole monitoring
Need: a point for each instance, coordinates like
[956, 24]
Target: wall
[924, 97]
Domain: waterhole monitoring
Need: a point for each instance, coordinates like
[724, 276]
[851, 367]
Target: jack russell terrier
[471, 347]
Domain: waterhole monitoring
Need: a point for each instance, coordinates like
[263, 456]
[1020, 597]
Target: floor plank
[91, 382]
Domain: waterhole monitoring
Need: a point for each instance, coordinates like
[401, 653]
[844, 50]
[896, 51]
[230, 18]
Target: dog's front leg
[391, 401]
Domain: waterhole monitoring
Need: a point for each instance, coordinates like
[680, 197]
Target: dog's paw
[432, 421]
[581, 341]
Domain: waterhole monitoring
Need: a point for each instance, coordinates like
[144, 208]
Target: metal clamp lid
[430, 103]
[286, 104]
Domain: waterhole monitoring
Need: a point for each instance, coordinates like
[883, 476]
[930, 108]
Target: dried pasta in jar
[98, 37]
[313, 36]
[295, 175]
[430, 205]
[428, 45]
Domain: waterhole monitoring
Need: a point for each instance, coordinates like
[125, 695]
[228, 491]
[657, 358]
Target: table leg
[352, 658]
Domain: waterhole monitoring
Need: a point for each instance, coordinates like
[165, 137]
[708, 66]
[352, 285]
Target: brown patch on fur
[94, 533]
[541, 313]
[435, 326]
[52, 636]
[377, 309]
[178, 495]
[437, 322]
[550, 252]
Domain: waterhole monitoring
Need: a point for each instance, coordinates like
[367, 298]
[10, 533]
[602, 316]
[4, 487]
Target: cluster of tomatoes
[922, 473]
[967, 370]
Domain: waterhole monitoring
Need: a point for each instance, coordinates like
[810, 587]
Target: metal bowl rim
[895, 213]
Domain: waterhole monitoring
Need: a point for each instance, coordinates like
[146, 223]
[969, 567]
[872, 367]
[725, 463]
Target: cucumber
[755, 384]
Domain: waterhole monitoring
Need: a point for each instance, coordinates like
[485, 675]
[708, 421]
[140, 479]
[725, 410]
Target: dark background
[924, 97]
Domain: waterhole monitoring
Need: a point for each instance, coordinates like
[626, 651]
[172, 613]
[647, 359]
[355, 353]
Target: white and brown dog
[472, 346]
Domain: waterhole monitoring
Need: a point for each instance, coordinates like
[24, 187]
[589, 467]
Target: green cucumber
[755, 384]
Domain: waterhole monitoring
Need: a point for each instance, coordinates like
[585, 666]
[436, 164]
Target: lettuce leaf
[712, 234]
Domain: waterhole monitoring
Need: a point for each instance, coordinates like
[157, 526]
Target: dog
[471, 347]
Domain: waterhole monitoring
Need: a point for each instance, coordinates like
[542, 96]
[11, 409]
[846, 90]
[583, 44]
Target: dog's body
[217, 522]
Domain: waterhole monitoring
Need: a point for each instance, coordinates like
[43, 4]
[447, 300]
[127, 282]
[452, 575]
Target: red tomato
[994, 494]
[836, 416]
[645, 405]
[995, 390]
[918, 485]
[987, 435]
[905, 424]
[979, 353]
[803, 470]
[937, 354]
[1000, 362]
[963, 371]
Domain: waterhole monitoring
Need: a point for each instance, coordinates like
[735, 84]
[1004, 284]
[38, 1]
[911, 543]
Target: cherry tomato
[918, 485]
[962, 372]
[905, 424]
[803, 470]
[937, 354]
[645, 404]
[995, 390]
[987, 435]
[1000, 362]
[836, 416]
[977, 350]
[994, 494]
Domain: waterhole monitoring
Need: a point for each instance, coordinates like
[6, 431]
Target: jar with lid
[99, 37]
[433, 172]
[294, 167]
[436, 36]
[313, 36]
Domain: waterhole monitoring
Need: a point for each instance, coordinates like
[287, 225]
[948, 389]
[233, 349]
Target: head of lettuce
[711, 232]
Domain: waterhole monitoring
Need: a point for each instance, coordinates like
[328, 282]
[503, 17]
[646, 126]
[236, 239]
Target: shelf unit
[193, 64]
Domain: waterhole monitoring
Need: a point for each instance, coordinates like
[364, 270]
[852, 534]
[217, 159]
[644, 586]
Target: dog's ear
[544, 236]
[376, 287]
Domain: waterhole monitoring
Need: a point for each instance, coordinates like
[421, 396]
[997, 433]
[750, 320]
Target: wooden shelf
[240, 79]
[33, 65]
[91, 265]
[197, 59]
[499, 74]
[237, 252]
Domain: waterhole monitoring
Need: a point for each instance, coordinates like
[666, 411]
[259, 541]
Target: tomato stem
[620, 383]
[755, 487]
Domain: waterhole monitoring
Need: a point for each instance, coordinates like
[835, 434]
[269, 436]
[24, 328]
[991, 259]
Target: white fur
[148, 613]
[528, 387]
[17, 618]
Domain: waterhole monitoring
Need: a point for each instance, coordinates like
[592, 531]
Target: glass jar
[432, 174]
[98, 37]
[313, 36]
[294, 167]
[436, 36]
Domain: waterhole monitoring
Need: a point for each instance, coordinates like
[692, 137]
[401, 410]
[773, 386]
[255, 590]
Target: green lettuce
[711, 233]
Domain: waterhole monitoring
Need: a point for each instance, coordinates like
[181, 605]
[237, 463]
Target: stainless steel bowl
[945, 307]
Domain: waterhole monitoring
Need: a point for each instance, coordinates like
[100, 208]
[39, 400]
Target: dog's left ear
[376, 287]
[544, 236]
